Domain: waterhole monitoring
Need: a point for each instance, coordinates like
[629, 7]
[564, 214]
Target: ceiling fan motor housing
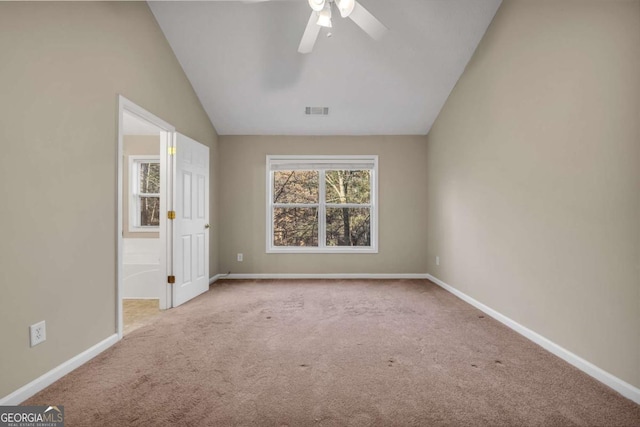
[317, 5]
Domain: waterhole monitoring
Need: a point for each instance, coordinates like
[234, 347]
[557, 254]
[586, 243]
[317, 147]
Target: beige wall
[534, 177]
[133, 145]
[63, 65]
[402, 204]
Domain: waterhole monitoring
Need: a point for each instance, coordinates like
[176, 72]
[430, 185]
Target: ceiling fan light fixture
[345, 7]
[317, 5]
[324, 16]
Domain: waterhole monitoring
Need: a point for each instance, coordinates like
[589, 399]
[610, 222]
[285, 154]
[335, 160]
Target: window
[322, 204]
[144, 206]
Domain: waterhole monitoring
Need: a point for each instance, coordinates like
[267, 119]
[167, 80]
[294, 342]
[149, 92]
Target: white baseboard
[622, 387]
[40, 383]
[240, 276]
[217, 277]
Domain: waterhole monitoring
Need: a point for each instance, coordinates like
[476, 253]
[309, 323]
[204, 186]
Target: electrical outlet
[437, 260]
[38, 333]
[240, 257]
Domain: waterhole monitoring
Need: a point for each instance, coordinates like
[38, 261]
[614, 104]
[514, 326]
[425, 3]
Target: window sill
[344, 250]
[144, 229]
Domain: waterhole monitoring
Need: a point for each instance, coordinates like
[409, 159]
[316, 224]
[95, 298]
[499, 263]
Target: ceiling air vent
[316, 111]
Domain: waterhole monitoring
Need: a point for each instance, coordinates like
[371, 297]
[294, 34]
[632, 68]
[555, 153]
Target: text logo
[32, 416]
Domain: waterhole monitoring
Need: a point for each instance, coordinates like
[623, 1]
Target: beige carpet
[331, 353]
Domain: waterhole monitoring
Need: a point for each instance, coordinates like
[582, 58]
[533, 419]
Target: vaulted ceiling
[242, 60]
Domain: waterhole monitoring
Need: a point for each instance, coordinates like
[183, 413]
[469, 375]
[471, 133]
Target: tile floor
[138, 313]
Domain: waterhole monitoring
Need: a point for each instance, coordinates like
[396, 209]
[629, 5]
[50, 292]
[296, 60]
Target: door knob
[207, 226]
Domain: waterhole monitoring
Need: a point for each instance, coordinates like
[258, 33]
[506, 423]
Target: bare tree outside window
[346, 207]
[348, 225]
[148, 194]
[296, 225]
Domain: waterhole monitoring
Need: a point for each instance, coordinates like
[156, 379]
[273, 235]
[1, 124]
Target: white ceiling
[242, 61]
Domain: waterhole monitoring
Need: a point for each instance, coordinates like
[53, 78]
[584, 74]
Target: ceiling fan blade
[310, 34]
[369, 23]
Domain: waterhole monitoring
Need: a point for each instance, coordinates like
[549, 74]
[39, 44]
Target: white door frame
[166, 168]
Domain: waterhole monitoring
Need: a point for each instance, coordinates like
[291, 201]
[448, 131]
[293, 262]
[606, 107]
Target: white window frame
[134, 199]
[336, 161]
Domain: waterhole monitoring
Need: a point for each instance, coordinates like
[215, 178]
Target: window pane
[150, 178]
[348, 186]
[149, 211]
[295, 226]
[348, 227]
[295, 187]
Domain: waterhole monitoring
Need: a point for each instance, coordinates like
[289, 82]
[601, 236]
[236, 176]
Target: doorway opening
[143, 192]
[163, 217]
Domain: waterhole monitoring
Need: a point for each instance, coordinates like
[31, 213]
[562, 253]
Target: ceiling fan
[321, 17]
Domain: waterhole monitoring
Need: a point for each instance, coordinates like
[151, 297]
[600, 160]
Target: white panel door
[191, 225]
